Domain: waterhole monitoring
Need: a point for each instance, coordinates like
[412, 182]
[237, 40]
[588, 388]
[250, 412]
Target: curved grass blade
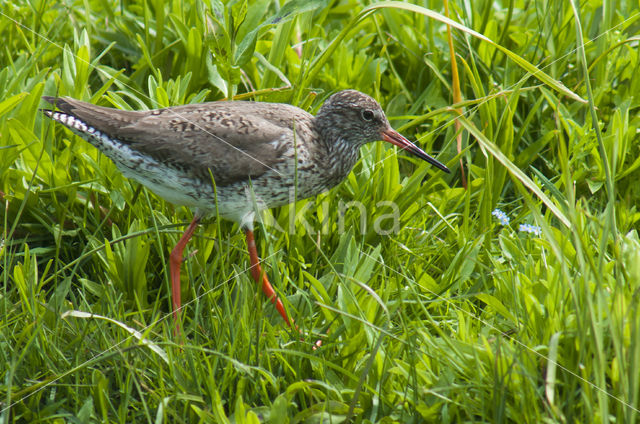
[135, 333]
[527, 66]
[512, 168]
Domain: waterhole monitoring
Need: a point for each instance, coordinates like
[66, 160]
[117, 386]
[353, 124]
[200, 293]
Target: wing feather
[232, 140]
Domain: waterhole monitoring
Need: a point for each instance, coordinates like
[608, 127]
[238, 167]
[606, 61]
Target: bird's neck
[339, 154]
[341, 157]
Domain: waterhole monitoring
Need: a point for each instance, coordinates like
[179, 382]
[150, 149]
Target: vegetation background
[459, 316]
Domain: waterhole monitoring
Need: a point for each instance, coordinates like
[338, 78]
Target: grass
[452, 316]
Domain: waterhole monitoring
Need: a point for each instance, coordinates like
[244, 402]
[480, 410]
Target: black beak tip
[399, 140]
[434, 162]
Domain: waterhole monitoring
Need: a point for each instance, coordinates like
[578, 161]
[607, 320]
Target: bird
[234, 158]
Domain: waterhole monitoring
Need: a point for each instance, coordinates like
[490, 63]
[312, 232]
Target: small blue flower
[528, 228]
[501, 216]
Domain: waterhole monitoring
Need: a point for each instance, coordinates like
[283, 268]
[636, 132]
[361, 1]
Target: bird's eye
[367, 115]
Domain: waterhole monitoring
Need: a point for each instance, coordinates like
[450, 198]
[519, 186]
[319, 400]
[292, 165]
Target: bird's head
[353, 117]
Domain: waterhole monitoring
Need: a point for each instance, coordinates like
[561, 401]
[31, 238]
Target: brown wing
[233, 140]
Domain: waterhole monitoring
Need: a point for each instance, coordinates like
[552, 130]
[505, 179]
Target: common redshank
[239, 156]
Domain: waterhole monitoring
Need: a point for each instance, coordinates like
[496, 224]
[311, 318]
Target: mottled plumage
[254, 152]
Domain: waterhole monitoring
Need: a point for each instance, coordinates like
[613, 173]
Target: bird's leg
[261, 278]
[175, 260]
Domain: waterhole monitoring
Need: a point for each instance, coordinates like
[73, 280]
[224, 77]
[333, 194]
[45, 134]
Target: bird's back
[230, 140]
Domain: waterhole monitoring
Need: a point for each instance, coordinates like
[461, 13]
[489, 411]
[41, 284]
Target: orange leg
[261, 278]
[175, 260]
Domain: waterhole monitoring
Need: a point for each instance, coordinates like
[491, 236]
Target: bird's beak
[396, 138]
